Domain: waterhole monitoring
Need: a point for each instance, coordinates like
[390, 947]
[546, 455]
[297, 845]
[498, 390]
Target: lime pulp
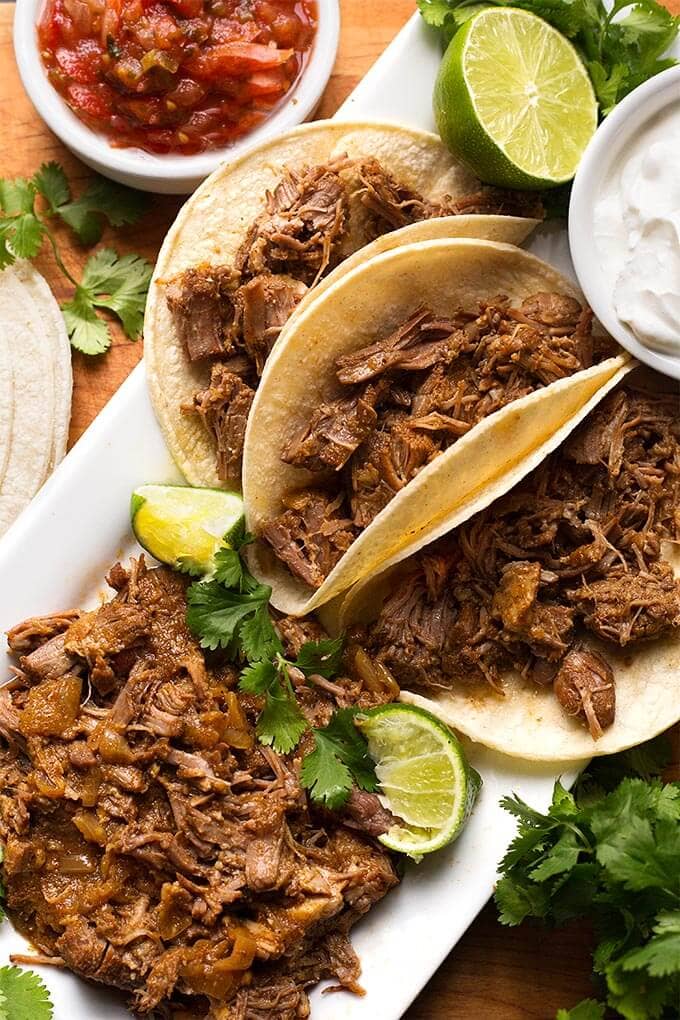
[425, 779]
[513, 99]
[183, 526]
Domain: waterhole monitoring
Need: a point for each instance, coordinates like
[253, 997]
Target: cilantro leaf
[87, 332]
[257, 677]
[321, 657]
[21, 231]
[25, 995]
[258, 638]
[661, 956]
[26, 237]
[102, 200]
[325, 774]
[17, 196]
[215, 613]
[637, 828]
[435, 12]
[339, 759]
[518, 898]
[119, 284]
[229, 568]
[586, 1010]
[237, 536]
[189, 565]
[442, 16]
[281, 723]
[51, 182]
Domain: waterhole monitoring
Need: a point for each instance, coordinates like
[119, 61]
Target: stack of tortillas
[35, 387]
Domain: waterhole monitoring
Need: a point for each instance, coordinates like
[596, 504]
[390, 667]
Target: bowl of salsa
[157, 93]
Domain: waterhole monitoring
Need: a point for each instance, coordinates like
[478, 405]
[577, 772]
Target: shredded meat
[202, 303]
[365, 812]
[313, 219]
[301, 226]
[310, 535]
[412, 393]
[584, 687]
[150, 843]
[335, 431]
[224, 407]
[574, 548]
[264, 304]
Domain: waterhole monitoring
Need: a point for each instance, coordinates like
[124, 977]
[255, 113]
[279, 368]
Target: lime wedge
[182, 526]
[514, 100]
[424, 777]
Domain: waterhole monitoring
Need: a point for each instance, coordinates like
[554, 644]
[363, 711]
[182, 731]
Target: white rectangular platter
[55, 557]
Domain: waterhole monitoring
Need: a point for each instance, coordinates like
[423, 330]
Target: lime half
[182, 526]
[424, 777]
[514, 100]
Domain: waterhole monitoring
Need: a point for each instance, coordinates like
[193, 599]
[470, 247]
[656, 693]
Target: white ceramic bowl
[603, 154]
[171, 174]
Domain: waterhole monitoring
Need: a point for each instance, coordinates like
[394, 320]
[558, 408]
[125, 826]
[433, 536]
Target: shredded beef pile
[574, 548]
[313, 219]
[150, 843]
[408, 397]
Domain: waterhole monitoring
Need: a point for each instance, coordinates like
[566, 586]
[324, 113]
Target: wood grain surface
[493, 973]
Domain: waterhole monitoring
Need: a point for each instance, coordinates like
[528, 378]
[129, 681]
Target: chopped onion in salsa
[175, 76]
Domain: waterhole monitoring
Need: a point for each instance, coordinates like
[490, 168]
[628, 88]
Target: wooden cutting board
[495, 973]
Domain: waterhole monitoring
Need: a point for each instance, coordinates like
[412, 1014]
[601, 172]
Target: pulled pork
[150, 843]
[575, 548]
[410, 395]
[224, 407]
[312, 220]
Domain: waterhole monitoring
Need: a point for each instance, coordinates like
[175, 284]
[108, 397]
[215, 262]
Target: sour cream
[637, 232]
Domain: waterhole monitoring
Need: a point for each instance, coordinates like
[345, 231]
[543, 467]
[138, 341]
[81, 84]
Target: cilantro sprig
[230, 611]
[117, 284]
[621, 46]
[610, 851]
[340, 758]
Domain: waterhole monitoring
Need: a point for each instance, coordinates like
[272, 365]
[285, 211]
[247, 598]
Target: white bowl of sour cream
[624, 223]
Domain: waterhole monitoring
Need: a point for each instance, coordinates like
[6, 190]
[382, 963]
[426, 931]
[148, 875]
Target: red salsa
[175, 76]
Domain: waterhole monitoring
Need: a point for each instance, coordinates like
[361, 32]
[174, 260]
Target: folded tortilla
[213, 224]
[377, 296]
[525, 720]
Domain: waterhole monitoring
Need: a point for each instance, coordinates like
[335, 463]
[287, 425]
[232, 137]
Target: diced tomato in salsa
[175, 75]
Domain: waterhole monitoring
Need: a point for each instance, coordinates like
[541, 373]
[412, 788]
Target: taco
[267, 232]
[401, 399]
[548, 625]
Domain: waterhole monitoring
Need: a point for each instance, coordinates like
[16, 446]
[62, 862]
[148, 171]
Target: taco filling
[151, 844]
[405, 399]
[313, 220]
[571, 554]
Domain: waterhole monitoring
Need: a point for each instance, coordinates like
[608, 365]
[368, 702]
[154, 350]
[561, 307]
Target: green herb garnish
[231, 612]
[340, 758]
[610, 851]
[118, 284]
[621, 46]
[23, 996]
